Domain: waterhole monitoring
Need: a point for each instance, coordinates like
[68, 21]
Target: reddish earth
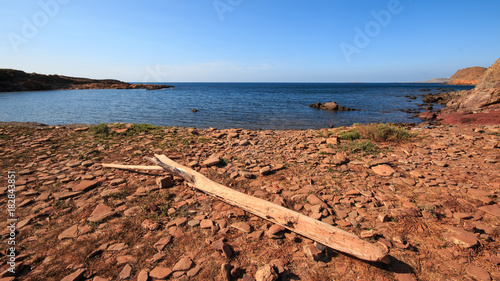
[431, 200]
[484, 118]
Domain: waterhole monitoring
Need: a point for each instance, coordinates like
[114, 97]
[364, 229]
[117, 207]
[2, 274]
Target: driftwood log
[321, 232]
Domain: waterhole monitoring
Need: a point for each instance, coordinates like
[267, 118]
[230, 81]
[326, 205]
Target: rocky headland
[480, 105]
[467, 76]
[16, 81]
[427, 195]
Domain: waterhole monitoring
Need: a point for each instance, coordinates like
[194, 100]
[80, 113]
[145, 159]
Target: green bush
[100, 129]
[376, 132]
[365, 146]
[352, 134]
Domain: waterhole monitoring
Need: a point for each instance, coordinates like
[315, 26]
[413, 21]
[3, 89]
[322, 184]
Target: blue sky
[249, 40]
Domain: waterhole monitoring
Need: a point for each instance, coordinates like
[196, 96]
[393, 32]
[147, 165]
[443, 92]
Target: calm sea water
[221, 105]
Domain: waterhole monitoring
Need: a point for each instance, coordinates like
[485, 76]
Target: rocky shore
[428, 195]
[480, 105]
[16, 81]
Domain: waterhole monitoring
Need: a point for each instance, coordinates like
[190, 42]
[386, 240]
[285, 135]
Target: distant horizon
[245, 41]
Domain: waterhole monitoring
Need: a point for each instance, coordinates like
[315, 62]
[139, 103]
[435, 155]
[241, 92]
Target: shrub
[100, 129]
[384, 132]
[352, 134]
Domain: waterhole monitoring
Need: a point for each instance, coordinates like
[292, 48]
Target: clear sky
[249, 40]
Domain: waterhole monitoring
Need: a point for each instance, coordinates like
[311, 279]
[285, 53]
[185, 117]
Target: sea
[276, 106]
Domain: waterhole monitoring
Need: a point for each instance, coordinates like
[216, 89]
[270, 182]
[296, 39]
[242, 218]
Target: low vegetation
[377, 132]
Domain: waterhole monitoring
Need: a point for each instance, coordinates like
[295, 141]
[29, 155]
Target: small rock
[276, 231]
[461, 237]
[165, 182]
[85, 185]
[266, 273]
[206, 223]
[491, 209]
[117, 182]
[69, 233]
[477, 273]
[212, 161]
[75, 276]
[183, 264]
[143, 275]
[149, 224]
[383, 170]
[192, 272]
[162, 243]
[160, 272]
[242, 226]
[265, 170]
[311, 251]
[101, 212]
[125, 273]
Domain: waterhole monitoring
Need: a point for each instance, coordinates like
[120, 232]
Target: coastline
[417, 198]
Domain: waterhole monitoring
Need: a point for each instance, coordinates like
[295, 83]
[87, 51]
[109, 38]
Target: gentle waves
[222, 105]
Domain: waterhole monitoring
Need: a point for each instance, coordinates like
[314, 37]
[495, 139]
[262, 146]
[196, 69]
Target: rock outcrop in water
[16, 80]
[331, 106]
[467, 76]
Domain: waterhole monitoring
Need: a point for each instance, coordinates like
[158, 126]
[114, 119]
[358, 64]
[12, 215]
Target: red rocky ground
[431, 201]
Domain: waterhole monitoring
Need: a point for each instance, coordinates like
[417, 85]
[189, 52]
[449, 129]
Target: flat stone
[85, 185]
[193, 272]
[143, 275]
[480, 195]
[491, 209]
[65, 194]
[212, 161]
[101, 212]
[117, 182]
[117, 247]
[75, 276]
[313, 199]
[461, 237]
[125, 273]
[383, 170]
[162, 243]
[69, 233]
[160, 272]
[206, 223]
[265, 170]
[183, 264]
[242, 226]
[477, 273]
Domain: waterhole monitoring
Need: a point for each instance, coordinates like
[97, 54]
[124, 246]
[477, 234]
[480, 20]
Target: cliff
[467, 76]
[12, 80]
[486, 92]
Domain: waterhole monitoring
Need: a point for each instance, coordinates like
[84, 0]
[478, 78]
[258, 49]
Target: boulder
[331, 106]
